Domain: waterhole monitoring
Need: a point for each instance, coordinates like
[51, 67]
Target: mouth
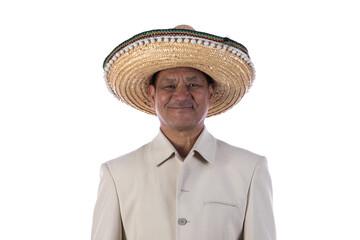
[181, 108]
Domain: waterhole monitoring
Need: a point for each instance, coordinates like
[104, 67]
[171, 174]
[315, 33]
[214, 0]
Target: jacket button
[182, 221]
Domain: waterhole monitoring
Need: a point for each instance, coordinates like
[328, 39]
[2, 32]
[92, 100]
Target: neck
[182, 140]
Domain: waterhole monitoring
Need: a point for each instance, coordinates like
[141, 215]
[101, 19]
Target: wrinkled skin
[181, 98]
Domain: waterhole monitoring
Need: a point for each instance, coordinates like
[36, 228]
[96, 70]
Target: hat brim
[129, 71]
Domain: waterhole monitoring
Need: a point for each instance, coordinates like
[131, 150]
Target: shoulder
[129, 160]
[227, 148]
[238, 155]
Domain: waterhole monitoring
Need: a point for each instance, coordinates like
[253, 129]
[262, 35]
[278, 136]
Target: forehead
[179, 72]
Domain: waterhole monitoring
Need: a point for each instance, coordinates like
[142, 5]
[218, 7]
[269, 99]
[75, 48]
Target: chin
[185, 125]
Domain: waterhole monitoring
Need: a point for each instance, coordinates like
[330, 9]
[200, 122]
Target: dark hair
[154, 78]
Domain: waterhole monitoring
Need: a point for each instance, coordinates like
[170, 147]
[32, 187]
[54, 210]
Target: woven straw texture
[130, 74]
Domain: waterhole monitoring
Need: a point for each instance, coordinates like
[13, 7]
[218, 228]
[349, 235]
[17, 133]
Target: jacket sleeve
[259, 219]
[107, 223]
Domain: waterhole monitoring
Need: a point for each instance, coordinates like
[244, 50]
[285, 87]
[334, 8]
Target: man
[185, 184]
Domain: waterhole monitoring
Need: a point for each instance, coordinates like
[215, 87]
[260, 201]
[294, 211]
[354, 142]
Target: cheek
[162, 99]
[202, 98]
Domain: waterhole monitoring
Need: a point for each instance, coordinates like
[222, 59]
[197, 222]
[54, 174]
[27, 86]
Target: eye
[193, 85]
[170, 86]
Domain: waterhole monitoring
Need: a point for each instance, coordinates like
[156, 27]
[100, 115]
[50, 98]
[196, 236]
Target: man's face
[181, 98]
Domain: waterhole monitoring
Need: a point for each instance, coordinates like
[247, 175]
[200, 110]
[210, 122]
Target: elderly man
[184, 184]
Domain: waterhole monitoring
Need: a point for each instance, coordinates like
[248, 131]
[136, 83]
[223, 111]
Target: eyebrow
[187, 79]
[169, 79]
[191, 78]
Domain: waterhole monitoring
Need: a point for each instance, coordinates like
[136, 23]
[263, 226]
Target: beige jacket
[217, 192]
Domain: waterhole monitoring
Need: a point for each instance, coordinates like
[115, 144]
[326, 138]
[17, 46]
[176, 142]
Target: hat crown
[131, 65]
[183, 26]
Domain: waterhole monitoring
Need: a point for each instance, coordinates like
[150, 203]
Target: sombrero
[130, 66]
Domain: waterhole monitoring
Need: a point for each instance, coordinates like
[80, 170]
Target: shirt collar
[205, 146]
[162, 149]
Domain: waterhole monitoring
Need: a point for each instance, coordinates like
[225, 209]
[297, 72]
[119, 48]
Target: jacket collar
[205, 145]
[162, 149]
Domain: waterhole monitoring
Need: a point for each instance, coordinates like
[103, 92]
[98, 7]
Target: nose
[181, 93]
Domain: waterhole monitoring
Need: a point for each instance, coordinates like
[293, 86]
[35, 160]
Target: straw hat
[130, 66]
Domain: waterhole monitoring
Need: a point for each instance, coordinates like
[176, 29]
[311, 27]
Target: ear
[151, 92]
[211, 94]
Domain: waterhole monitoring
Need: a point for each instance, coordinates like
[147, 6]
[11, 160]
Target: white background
[59, 122]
